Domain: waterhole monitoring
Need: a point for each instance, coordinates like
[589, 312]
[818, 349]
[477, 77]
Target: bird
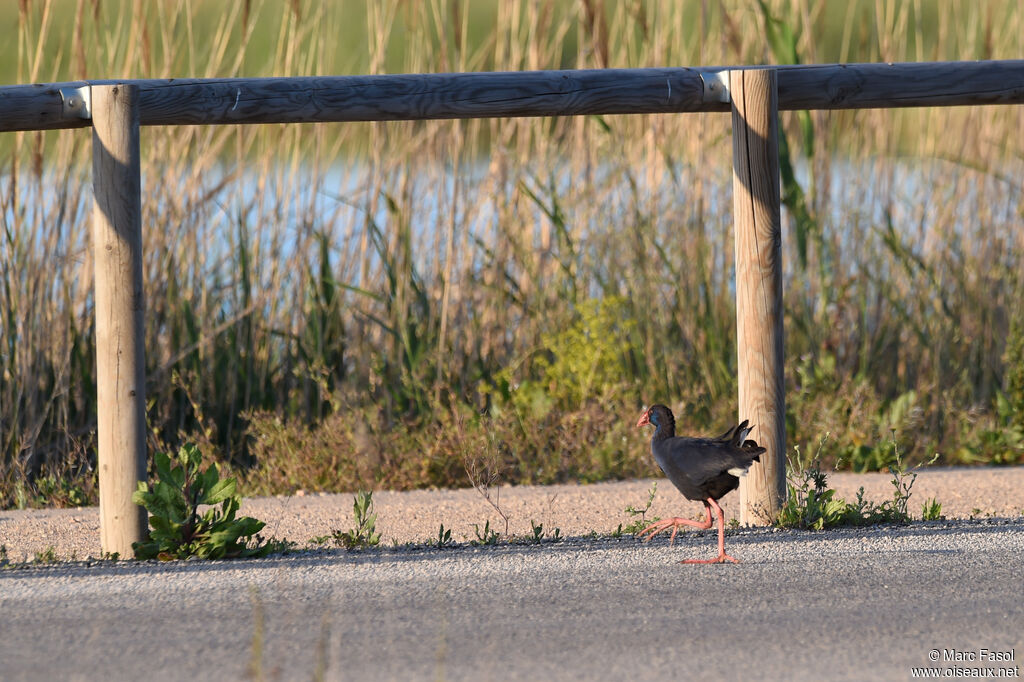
[703, 469]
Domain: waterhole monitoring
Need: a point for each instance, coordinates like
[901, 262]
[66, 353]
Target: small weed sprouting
[537, 534]
[177, 528]
[485, 537]
[47, 556]
[639, 524]
[365, 532]
[931, 510]
[444, 538]
[896, 509]
[3, 556]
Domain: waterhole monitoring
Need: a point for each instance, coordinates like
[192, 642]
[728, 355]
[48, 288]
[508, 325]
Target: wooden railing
[754, 95]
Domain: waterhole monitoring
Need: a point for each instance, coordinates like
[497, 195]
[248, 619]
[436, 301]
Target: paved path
[575, 509]
[854, 604]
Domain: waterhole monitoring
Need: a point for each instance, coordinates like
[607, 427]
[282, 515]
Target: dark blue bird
[703, 469]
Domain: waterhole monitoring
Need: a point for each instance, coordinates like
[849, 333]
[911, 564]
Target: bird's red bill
[645, 418]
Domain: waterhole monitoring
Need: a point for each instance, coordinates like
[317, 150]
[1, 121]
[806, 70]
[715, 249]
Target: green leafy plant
[487, 536]
[60, 492]
[365, 532]
[638, 524]
[47, 556]
[537, 533]
[583, 359]
[811, 504]
[996, 438]
[1013, 358]
[902, 481]
[895, 509]
[181, 528]
[444, 538]
[931, 510]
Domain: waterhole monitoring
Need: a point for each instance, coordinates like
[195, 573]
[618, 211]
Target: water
[931, 204]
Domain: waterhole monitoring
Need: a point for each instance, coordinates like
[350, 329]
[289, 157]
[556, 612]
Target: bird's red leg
[722, 556]
[674, 523]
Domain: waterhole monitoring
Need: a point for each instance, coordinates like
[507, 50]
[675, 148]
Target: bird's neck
[664, 431]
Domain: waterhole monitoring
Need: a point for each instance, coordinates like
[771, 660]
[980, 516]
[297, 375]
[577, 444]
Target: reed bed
[335, 306]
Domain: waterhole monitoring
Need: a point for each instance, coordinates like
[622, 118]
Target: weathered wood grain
[379, 98]
[120, 362]
[885, 86]
[759, 312]
[528, 93]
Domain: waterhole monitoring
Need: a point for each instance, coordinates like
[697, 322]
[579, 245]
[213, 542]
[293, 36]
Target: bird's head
[658, 415]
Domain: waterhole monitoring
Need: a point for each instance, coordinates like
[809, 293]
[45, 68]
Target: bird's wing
[702, 459]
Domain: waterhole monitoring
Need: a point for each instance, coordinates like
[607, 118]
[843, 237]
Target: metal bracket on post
[77, 102]
[716, 86]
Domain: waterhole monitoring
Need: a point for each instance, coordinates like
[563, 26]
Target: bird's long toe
[675, 523]
[655, 528]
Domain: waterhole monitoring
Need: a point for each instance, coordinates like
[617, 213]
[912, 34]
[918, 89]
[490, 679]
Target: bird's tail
[737, 438]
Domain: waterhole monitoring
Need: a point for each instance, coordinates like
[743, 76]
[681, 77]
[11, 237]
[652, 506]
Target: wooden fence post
[120, 361]
[759, 312]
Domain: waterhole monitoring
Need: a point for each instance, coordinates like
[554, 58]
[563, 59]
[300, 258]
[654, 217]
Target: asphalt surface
[856, 604]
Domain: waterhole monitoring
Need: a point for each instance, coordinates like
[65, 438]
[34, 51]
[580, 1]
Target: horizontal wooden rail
[506, 94]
